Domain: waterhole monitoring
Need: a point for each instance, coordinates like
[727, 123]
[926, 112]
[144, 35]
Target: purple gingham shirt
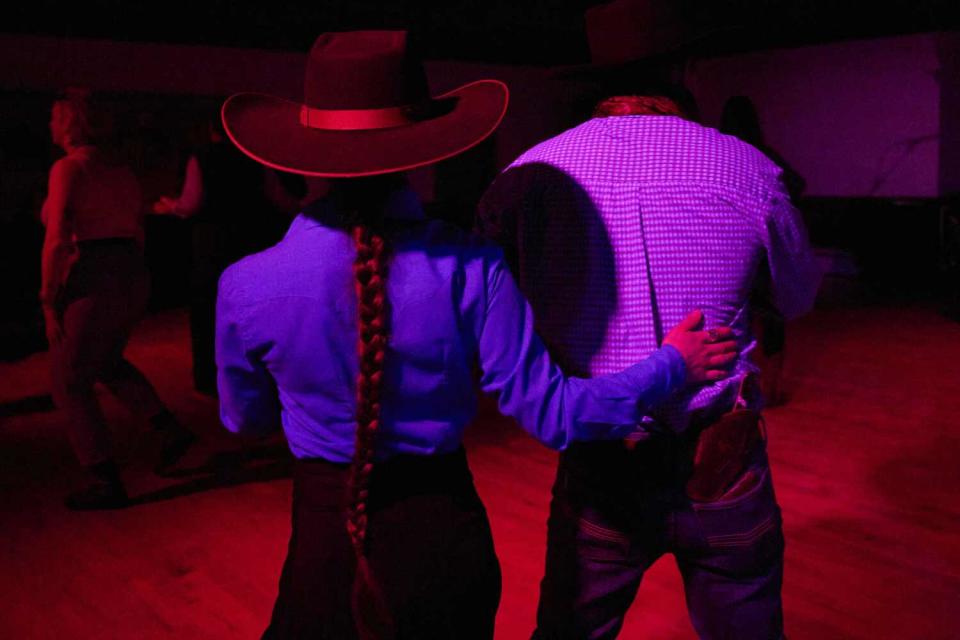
[591, 217]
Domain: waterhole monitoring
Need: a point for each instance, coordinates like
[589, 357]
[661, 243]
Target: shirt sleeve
[555, 409]
[794, 273]
[249, 403]
[499, 211]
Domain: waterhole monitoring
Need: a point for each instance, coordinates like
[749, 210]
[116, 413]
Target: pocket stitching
[602, 533]
[721, 504]
[742, 539]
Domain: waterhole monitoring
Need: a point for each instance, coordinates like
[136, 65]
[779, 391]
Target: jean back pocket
[746, 513]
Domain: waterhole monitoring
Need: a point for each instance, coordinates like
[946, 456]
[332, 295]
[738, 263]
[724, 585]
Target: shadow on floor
[226, 469]
[31, 404]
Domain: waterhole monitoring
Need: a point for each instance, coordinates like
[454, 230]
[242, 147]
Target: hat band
[353, 119]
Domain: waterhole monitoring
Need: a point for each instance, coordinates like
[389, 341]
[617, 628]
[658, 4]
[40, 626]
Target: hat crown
[364, 70]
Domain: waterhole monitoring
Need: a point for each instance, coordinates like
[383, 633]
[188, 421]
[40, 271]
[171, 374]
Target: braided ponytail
[371, 614]
[370, 271]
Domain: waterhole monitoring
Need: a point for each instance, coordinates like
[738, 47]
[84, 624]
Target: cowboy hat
[646, 39]
[366, 111]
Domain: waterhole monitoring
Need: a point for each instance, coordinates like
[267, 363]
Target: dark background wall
[869, 116]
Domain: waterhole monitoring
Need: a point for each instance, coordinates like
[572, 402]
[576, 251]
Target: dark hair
[740, 119]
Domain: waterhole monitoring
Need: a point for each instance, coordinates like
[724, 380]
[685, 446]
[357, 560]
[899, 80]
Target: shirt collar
[403, 204]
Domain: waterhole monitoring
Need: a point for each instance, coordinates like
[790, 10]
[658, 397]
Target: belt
[401, 474]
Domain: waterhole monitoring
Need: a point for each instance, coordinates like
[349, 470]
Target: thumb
[692, 322]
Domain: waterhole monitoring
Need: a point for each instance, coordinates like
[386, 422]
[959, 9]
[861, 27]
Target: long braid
[371, 614]
[370, 270]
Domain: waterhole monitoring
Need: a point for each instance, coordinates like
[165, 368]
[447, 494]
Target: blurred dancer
[235, 208]
[94, 290]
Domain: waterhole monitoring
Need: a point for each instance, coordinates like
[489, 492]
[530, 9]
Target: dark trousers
[203, 319]
[614, 512]
[428, 543]
[104, 297]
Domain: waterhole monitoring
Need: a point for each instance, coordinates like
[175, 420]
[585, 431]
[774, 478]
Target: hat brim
[268, 129]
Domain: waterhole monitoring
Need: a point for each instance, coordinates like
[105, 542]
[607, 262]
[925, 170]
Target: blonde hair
[82, 118]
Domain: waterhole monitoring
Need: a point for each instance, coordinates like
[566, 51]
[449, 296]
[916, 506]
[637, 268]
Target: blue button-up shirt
[287, 334]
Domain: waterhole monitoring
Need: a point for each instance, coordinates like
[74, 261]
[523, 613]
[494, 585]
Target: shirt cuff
[663, 372]
[676, 365]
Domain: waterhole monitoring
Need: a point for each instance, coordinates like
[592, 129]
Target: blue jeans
[615, 512]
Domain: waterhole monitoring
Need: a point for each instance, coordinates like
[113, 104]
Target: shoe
[175, 444]
[98, 496]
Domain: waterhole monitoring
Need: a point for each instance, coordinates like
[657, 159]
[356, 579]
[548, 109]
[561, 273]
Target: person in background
[618, 228]
[359, 333]
[739, 118]
[94, 290]
[235, 207]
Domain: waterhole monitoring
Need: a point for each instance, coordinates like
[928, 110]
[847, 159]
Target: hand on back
[707, 354]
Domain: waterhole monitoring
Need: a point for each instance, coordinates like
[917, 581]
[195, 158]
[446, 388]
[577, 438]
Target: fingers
[718, 365]
[715, 341]
[165, 204]
[717, 374]
[727, 346]
[691, 322]
[719, 360]
[719, 334]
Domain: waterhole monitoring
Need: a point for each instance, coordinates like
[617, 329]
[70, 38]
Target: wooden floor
[865, 456]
